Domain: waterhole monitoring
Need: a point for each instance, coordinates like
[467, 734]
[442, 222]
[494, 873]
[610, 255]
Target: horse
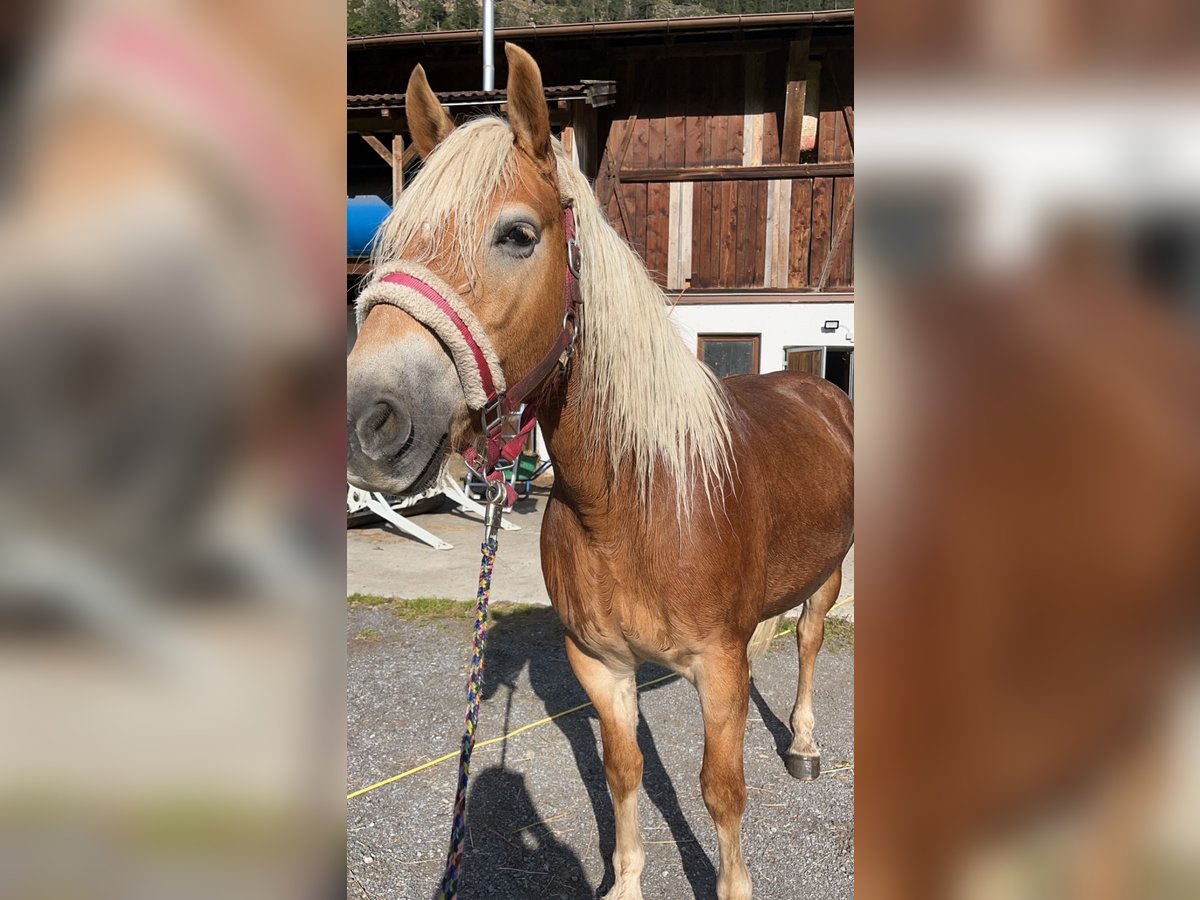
[688, 513]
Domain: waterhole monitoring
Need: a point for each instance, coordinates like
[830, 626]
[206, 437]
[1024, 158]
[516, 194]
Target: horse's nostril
[384, 430]
[379, 417]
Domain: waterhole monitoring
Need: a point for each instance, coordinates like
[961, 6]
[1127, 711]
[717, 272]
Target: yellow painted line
[566, 712]
[495, 740]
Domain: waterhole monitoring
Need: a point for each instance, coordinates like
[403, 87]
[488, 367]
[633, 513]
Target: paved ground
[540, 813]
[385, 563]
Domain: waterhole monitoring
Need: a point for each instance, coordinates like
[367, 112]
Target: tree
[431, 15]
[373, 17]
[465, 15]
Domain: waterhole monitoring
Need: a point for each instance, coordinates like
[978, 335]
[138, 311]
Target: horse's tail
[762, 637]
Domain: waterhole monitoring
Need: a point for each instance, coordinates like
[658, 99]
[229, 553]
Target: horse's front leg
[613, 690]
[723, 679]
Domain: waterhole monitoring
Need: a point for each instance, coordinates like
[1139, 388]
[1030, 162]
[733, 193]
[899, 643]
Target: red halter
[498, 405]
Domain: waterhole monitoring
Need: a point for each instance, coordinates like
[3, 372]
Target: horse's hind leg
[723, 679]
[803, 757]
[613, 691]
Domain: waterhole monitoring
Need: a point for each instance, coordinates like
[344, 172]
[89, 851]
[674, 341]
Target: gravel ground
[540, 816]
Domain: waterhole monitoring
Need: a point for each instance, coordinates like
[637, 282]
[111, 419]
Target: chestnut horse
[685, 510]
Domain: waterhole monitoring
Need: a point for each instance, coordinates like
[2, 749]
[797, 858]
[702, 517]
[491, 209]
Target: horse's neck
[578, 448]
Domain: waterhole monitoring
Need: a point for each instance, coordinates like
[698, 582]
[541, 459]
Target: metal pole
[489, 40]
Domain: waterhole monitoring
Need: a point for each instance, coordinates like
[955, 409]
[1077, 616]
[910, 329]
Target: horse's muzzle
[400, 407]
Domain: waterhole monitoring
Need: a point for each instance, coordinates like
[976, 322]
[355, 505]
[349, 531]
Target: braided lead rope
[495, 509]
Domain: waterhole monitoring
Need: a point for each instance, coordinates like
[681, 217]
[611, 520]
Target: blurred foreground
[170, 394]
[1028, 694]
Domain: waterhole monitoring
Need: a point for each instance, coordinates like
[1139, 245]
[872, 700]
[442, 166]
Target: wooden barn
[722, 148]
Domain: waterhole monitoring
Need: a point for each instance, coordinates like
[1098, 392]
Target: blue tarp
[364, 215]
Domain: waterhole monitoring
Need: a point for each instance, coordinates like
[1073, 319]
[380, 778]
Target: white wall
[780, 324]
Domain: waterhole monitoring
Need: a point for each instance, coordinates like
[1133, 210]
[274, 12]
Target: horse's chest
[615, 603]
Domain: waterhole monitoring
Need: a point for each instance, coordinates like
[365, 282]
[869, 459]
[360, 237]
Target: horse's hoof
[805, 768]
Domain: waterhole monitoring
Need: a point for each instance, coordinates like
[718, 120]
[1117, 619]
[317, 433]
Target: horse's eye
[521, 236]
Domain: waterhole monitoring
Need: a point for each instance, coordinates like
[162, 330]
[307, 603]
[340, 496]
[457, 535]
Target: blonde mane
[654, 403]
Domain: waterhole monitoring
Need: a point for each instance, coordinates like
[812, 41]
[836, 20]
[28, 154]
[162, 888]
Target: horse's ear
[428, 121]
[527, 111]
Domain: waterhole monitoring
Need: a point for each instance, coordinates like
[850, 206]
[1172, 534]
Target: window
[729, 354]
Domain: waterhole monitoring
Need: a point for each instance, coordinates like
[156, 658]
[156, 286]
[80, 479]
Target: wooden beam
[779, 233]
[679, 241]
[797, 85]
[700, 297]
[397, 167]
[812, 107]
[847, 108]
[834, 244]
[378, 146]
[738, 173]
[752, 117]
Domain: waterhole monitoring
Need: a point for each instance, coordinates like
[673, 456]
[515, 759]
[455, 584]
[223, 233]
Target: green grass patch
[369, 600]
[839, 633]
[368, 634]
[433, 608]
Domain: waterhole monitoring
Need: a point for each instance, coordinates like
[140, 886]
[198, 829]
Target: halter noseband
[418, 292]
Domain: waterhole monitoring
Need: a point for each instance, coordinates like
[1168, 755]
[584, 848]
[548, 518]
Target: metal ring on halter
[496, 492]
[569, 316]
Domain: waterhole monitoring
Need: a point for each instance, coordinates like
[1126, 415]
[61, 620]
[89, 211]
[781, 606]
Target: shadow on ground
[507, 842]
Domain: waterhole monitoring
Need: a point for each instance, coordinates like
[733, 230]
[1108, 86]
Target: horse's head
[485, 219]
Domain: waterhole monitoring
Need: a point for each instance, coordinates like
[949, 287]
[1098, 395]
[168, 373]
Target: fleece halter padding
[413, 288]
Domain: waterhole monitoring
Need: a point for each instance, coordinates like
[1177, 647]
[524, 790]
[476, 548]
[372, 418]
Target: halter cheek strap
[438, 307]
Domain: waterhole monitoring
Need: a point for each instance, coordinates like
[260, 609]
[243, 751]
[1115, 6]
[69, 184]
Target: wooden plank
[812, 107]
[690, 98]
[840, 271]
[794, 102]
[800, 239]
[772, 229]
[822, 228]
[775, 67]
[397, 167]
[675, 122]
[700, 202]
[778, 235]
[639, 151]
[827, 124]
[585, 130]
[842, 96]
[674, 223]
[658, 198]
[698, 297]
[727, 234]
[687, 199]
[752, 117]
[735, 119]
[739, 173]
[759, 251]
[743, 242]
[742, 267]
[712, 233]
[378, 146]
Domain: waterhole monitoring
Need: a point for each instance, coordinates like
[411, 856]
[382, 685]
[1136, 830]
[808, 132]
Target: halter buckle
[574, 257]
[493, 416]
